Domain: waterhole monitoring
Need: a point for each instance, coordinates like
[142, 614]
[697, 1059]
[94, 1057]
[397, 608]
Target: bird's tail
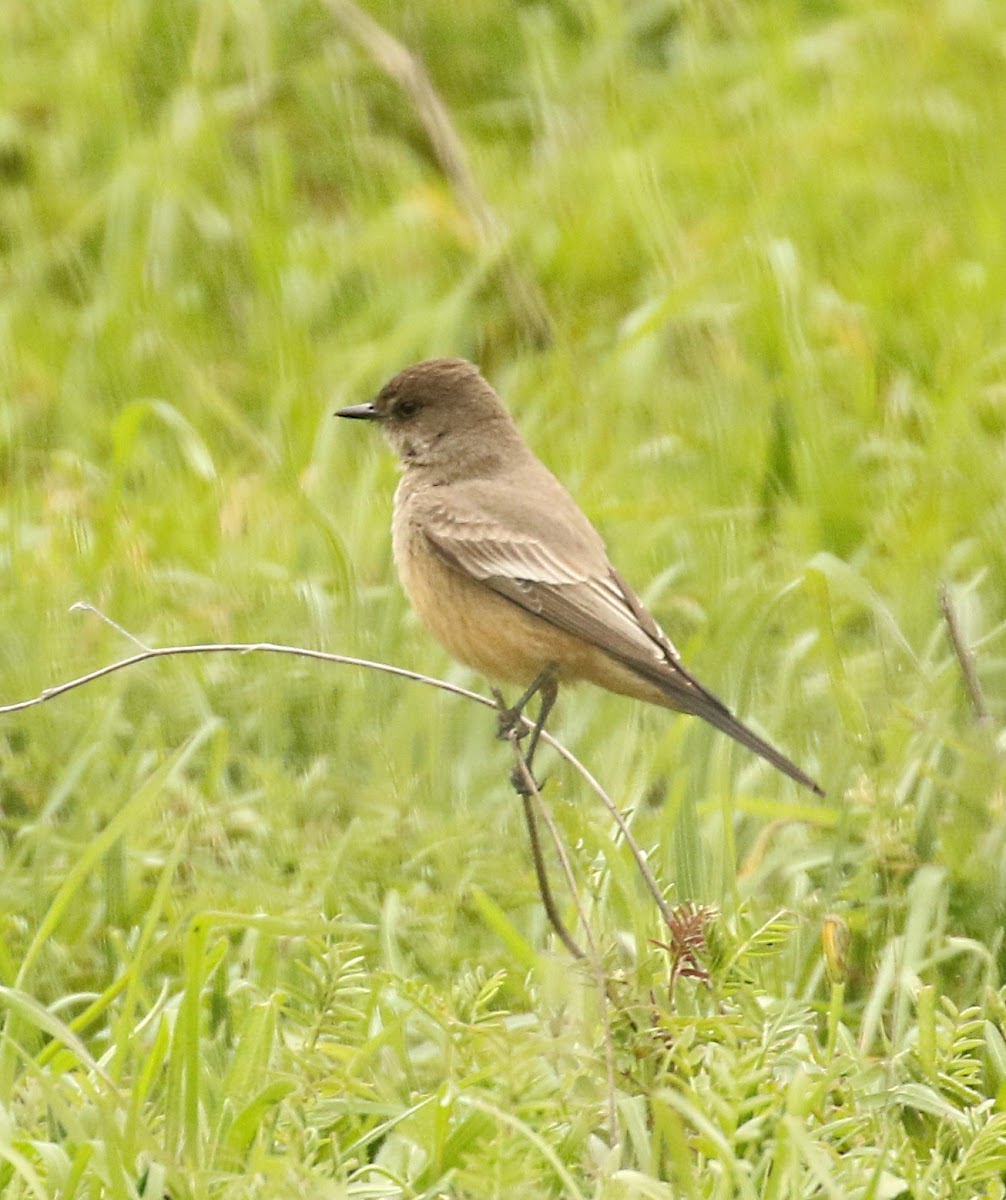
[723, 719]
[682, 691]
[685, 693]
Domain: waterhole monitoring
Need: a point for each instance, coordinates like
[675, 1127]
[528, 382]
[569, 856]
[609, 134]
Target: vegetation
[270, 926]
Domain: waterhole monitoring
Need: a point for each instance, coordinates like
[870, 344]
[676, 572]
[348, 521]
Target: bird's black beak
[359, 412]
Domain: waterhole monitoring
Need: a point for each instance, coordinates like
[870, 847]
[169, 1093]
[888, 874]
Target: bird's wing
[556, 568]
[563, 576]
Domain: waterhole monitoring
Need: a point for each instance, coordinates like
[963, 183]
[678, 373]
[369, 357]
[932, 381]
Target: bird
[505, 569]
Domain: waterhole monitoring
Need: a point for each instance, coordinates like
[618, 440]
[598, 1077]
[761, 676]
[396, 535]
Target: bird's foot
[524, 782]
[510, 724]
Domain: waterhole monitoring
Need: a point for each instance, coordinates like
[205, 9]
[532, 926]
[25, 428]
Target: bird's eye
[408, 408]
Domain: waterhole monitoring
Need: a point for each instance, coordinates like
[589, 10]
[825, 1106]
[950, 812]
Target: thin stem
[544, 887]
[965, 658]
[51, 693]
[623, 828]
[407, 70]
[530, 795]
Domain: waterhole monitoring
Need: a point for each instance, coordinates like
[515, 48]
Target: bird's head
[441, 414]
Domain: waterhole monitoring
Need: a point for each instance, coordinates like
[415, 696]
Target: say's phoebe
[505, 570]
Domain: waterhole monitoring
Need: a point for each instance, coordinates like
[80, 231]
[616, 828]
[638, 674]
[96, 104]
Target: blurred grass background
[269, 927]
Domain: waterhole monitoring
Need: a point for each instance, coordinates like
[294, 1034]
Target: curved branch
[51, 693]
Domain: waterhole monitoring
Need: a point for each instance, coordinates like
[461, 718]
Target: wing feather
[579, 591]
[576, 590]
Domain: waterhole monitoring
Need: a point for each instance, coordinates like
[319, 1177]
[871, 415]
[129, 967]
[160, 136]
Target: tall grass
[271, 928]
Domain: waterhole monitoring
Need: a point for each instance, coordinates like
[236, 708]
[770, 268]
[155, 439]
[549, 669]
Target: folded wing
[556, 567]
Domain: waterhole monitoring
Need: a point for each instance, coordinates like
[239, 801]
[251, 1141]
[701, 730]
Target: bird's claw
[510, 725]
[524, 783]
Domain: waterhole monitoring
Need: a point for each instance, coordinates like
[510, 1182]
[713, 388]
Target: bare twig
[86, 606]
[530, 793]
[544, 887]
[640, 858]
[51, 693]
[531, 796]
[61, 689]
[964, 657]
[408, 71]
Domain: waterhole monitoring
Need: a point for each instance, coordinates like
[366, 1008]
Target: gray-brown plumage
[503, 567]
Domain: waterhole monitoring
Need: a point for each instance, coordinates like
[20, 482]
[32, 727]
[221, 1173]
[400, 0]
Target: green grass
[269, 927]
